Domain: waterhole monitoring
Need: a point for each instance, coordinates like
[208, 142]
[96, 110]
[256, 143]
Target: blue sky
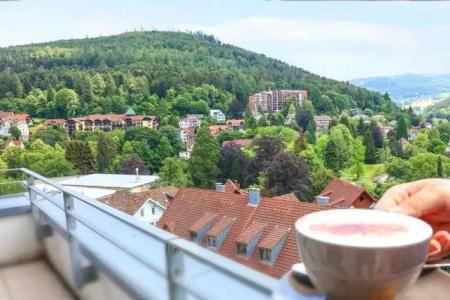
[342, 40]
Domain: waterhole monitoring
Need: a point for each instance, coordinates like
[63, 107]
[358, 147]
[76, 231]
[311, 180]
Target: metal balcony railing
[145, 261]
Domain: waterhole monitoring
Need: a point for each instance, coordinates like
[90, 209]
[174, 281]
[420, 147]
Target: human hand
[429, 200]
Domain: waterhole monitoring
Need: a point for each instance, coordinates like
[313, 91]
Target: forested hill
[163, 73]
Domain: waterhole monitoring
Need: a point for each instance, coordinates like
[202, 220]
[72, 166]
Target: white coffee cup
[362, 254]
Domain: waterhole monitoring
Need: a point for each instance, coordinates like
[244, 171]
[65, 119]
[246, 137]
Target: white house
[322, 122]
[5, 125]
[191, 121]
[217, 115]
[147, 206]
[187, 134]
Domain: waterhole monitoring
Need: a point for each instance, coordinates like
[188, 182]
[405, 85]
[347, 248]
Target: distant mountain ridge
[407, 86]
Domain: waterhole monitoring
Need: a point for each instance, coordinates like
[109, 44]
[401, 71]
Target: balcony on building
[60, 244]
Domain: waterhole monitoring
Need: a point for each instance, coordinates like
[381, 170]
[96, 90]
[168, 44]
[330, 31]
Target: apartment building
[109, 122]
[274, 101]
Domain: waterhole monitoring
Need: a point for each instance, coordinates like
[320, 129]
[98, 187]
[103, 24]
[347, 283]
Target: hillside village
[229, 162]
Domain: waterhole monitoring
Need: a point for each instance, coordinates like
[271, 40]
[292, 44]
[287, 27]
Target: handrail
[174, 246]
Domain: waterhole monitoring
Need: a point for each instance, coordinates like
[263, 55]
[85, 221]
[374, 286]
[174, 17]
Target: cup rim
[428, 231]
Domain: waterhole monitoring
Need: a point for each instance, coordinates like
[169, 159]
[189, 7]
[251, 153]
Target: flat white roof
[120, 181]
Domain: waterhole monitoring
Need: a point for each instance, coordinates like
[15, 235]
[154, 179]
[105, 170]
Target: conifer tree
[80, 155]
[371, 152]
[204, 159]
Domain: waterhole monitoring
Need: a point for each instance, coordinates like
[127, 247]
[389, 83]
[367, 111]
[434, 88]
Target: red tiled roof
[232, 187]
[250, 232]
[276, 235]
[215, 129]
[290, 196]
[235, 122]
[12, 117]
[190, 204]
[220, 226]
[190, 118]
[342, 193]
[189, 130]
[202, 222]
[239, 142]
[112, 118]
[54, 122]
[131, 202]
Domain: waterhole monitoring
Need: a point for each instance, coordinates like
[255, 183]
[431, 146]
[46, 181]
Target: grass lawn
[370, 171]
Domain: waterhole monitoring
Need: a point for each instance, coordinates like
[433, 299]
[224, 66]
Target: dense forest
[168, 74]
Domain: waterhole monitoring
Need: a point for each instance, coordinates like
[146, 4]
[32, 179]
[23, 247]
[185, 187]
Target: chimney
[137, 174]
[254, 196]
[237, 184]
[322, 200]
[220, 187]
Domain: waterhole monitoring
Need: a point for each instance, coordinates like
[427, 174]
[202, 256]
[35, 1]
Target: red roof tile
[250, 232]
[235, 122]
[202, 222]
[220, 225]
[343, 193]
[190, 204]
[239, 142]
[276, 235]
[290, 197]
[232, 187]
[131, 202]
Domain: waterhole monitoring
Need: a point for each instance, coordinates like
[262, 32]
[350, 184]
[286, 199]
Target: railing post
[81, 275]
[41, 228]
[175, 272]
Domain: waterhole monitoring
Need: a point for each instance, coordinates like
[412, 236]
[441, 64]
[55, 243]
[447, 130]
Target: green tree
[311, 133]
[14, 132]
[440, 171]
[80, 155]
[371, 151]
[174, 172]
[402, 128]
[358, 158]
[67, 103]
[204, 159]
[423, 166]
[52, 135]
[339, 150]
[106, 151]
[332, 157]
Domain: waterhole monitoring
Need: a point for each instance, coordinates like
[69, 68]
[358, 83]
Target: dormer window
[212, 241]
[242, 249]
[265, 255]
[199, 229]
[271, 245]
[248, 239]
[219, 231]
[142, 212]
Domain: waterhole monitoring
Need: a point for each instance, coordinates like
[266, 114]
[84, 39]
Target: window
[211, 241]
[265, 255]
[193, 236]
[242, 249]
[153, 210]
[142, 212]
